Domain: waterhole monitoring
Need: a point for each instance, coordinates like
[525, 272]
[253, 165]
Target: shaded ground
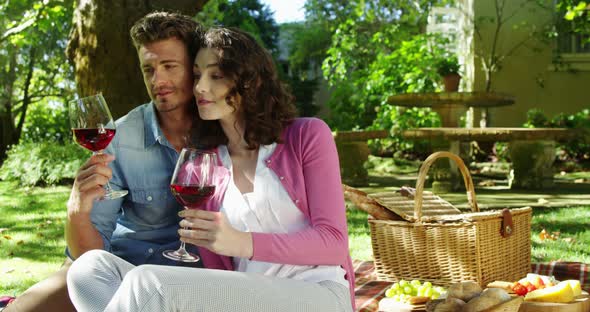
[492, 190]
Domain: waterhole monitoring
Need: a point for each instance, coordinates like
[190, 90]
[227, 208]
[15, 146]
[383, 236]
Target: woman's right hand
[212, 230]
[89, 182]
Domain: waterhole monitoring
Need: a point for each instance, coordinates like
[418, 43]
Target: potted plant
[448, 69]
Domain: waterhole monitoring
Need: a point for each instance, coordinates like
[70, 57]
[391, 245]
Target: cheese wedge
[560, 293]
[575, 284]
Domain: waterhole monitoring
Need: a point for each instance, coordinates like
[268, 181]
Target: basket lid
[425, 205]
[401, 203]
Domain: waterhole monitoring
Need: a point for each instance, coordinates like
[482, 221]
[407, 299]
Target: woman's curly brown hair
[265, 104]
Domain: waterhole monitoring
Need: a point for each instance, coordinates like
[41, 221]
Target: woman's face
[211, 87]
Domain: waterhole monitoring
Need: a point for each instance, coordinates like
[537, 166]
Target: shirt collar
[152, 130]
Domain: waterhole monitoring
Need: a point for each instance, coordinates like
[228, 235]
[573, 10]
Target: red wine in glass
[192, 184]
[93, 129]
[96, 139]
[192, 197]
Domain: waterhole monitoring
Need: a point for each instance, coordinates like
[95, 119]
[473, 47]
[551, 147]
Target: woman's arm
[325, 241]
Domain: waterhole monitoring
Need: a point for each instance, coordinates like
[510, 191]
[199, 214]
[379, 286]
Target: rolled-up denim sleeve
[104, 217]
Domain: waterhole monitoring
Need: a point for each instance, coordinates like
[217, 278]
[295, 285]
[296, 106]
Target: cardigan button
[297, 201]
[282, 178]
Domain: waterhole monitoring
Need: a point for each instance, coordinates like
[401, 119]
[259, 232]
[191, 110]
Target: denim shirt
[139, 226]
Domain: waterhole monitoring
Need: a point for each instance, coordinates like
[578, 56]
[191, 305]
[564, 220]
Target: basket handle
[422, 178]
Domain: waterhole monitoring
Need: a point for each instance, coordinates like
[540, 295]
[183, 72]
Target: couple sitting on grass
[273, 239]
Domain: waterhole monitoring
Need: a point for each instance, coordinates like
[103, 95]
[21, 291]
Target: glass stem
[107, 186]
[183, 244]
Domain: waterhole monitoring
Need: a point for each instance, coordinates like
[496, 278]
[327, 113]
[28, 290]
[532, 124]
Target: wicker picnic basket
[436, 242]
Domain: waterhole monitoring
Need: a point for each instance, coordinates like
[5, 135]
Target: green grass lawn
[32, 237]
[32, 240]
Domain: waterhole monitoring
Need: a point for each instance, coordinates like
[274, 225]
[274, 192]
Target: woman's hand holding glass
[212, 230]
[193, 183]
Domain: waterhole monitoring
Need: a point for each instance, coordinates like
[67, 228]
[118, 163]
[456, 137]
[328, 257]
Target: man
[140, 159]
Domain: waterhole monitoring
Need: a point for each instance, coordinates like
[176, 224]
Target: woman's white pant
[100, 281]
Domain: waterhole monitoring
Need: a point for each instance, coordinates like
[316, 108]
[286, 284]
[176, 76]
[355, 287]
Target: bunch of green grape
[403, 290]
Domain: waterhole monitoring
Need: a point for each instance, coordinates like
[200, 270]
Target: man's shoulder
[134, 116]
[134, 120]
[131, 127]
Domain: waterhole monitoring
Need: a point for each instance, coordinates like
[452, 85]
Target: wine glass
[192, 184]
[94, 129]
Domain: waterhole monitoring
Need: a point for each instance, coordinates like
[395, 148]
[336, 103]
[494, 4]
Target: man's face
[167, 74]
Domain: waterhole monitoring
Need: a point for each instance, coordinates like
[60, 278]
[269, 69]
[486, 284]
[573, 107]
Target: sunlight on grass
[358, 234]
[358, 247]
[571, 224]
[19, 274]
[32, 237]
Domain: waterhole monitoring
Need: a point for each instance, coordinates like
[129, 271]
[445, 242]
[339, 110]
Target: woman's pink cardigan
[306, 162]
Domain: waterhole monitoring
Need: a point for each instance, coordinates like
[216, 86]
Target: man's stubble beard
[166, 107]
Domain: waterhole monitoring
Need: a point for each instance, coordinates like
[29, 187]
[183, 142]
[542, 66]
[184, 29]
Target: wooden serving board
[580, 304]
[390, 305]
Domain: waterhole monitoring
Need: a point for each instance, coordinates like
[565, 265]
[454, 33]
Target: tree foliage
[306, 45]
[43, 163]
[249, 15]
[375, 51]
[576, 16]
[32, 63]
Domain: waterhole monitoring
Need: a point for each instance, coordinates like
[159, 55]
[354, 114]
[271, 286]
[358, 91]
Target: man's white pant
[100, 281]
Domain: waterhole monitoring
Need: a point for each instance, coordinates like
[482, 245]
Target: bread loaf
[488, 298]
[464, 290]
[496, 293]
[450, 305]
[367, 204]
[480, 303]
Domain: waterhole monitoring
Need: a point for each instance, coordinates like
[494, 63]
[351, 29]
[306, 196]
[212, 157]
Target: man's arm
[81, 234]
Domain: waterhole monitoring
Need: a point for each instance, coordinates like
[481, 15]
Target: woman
[279, 230]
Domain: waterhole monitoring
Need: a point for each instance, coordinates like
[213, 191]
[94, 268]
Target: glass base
[181, 255]
[114, 194]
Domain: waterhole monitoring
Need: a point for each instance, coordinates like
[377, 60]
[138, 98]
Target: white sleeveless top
[269, 209]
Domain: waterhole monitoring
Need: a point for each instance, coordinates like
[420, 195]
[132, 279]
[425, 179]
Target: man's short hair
[162, 25]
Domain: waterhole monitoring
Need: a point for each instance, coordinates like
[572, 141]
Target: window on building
[573, 48]
[570, 42]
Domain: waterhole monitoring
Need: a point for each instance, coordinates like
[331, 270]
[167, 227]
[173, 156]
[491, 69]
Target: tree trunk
[6, 119]
[103, 55]
[26, 95]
